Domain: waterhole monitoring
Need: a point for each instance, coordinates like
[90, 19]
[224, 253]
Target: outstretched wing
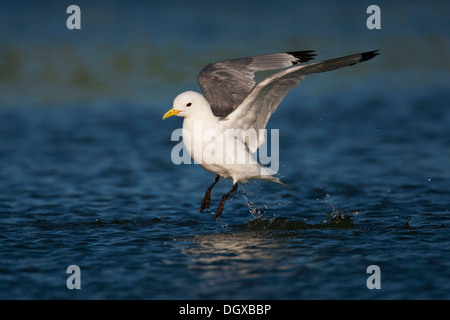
[227, 83]
[263, 100]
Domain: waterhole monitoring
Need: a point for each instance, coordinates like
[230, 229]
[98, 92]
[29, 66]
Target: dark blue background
[86, 176]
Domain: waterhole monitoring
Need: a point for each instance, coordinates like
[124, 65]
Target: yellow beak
[171, 112]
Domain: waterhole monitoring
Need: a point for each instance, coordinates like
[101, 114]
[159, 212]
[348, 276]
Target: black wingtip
[369, 55]
[302, 56]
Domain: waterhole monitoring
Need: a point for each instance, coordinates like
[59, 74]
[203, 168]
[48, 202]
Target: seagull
[232, 105]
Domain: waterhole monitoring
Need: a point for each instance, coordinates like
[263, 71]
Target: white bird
[234, 105]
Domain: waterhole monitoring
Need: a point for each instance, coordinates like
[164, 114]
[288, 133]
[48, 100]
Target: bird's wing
[263, 100]
[227, 83]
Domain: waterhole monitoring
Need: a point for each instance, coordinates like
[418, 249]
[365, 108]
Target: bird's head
[187, 104]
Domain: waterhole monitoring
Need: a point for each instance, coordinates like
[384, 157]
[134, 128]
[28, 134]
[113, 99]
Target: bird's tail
[276, 180]
[269, 175]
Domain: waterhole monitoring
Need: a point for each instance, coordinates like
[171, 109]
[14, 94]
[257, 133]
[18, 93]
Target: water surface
[86, 176]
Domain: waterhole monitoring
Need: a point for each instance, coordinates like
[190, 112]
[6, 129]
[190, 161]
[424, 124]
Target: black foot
[224, 198]
[206, 200]
[207, 197]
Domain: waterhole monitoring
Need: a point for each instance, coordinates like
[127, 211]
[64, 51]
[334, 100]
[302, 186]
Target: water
[86, 176]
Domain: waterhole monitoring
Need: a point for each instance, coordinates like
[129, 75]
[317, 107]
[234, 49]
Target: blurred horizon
[147, 53]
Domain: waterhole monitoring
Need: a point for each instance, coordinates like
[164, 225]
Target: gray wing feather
[227, 83]
[264, 99]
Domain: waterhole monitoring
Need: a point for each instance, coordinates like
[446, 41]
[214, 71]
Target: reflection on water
[220, 249]
[257, 254]
[230, 261]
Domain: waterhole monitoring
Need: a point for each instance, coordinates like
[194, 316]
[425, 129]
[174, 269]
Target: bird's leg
[224, 198]
[207, 197]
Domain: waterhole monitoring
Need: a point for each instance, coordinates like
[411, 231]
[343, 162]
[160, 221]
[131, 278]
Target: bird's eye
[189, 104]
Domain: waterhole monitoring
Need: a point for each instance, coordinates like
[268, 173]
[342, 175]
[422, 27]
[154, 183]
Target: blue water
[86, 176]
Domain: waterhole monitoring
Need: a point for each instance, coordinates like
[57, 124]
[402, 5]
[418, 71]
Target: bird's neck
[200, 123]
[194, 128]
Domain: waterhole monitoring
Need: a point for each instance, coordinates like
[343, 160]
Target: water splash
[334, 219]
[254, 211]
[340, 219]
